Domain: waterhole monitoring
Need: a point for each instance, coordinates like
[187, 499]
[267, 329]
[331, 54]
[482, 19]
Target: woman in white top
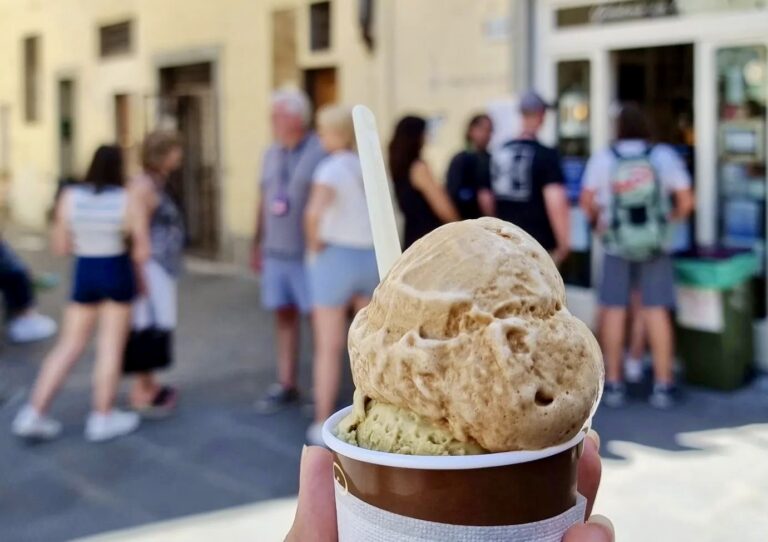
[94, 222]
[342, 269]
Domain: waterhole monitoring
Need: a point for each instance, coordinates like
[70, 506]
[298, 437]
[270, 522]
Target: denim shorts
[654, 279]
[340, 273]
[284, 284]
[98, 279]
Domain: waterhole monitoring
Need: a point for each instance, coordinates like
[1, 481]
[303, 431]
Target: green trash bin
[714, 316]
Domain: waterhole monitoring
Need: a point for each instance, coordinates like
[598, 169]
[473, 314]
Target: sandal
[162, 405]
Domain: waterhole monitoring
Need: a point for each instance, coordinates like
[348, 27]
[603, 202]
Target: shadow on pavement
[699, 410]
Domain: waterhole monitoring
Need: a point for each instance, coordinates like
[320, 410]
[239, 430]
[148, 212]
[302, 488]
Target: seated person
[24, 323]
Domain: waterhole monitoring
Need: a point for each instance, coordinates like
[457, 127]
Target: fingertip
[589, 532]
[603, 522]
[316, 476]
[595, 437]
[589, 473]
[316, 508]
[315, 457]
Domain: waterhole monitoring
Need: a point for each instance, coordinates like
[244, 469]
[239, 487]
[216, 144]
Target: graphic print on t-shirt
[512, 180]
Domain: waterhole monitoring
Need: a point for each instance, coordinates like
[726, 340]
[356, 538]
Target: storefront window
[742, 88]
[573, 135]
[621, 11]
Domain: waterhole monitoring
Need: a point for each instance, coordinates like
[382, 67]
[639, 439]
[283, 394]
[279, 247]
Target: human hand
[314, 244]
[597, 528]
[256, 259]
[559, 255]
[316, 511]
[142, 289]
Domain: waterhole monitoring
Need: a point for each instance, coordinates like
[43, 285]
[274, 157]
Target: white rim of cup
[440, 462]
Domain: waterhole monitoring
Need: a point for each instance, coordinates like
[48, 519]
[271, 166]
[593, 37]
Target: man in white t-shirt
[652, 276]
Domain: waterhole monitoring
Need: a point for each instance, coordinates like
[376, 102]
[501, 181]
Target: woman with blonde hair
[94, 221]
[155, 313]
[342, 263]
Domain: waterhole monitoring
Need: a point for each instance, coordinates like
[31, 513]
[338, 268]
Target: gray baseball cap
[531, 102]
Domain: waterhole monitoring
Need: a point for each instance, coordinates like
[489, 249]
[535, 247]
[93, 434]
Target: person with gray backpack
[633, 192]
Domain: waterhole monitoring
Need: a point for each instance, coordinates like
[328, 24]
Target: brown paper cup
[478, 497]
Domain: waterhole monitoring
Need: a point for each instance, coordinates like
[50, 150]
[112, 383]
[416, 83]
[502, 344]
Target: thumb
[597, 529]
[316, 510]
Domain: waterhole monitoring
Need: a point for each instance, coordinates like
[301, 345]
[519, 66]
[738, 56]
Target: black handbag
[148, 349]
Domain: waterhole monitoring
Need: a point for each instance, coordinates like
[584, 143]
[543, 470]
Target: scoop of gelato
[469, 335]
[387, 428]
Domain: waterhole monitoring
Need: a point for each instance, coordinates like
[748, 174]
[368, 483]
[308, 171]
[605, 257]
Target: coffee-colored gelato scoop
[470, 336]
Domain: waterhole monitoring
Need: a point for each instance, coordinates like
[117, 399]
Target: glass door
[742, 85]
[573, 136]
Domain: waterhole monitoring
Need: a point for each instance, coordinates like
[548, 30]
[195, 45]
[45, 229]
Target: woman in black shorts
[97, 223]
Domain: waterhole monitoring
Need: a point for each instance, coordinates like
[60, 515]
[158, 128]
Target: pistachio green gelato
[386, 428]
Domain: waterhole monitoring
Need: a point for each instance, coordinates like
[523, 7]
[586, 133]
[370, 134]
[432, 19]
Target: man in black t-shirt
[528, 183]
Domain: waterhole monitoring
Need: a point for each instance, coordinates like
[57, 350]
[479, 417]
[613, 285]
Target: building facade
[700, 69]
[79, 73]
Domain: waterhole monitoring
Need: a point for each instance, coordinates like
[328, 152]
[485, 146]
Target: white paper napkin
[361, 522]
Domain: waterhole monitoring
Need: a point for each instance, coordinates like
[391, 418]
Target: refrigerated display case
[573, 136]
[741, 145]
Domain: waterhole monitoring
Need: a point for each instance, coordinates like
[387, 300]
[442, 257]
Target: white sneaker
[315, 434]
[29, 423]
[100, 427]
[634, 371]
[31, 327]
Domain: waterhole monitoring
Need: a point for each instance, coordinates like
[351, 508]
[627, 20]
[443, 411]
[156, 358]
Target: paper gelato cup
[511, 496]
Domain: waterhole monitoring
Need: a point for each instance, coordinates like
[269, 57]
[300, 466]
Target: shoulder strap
[659, 189]
[648, 150]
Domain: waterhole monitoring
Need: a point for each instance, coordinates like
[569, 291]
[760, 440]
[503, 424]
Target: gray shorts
[654, 279]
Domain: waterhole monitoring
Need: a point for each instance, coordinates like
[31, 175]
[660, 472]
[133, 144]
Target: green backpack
[638, 227]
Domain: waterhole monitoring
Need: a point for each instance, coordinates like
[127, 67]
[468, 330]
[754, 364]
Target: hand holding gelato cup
[474, 389]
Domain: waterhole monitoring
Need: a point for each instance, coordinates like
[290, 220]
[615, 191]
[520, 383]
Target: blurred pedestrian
[92, 222]
[627, 189]
[423, 201]
[635, 358]
[528, 183]
[342, 268]
[468, 180]
[634, 362]
[157, 308]
[278, 250]
[23, 322]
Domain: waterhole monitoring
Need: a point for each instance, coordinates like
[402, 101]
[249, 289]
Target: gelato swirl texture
[468, 339]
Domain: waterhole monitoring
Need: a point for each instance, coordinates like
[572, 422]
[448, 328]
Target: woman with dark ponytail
[423, 201]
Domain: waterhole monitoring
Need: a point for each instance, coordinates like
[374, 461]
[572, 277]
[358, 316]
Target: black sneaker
[614, 394]
[663, 396]
[276, 399]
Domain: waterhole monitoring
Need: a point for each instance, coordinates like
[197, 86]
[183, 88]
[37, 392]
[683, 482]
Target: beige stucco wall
[446, 65]
[433, 57]
[169, 32]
